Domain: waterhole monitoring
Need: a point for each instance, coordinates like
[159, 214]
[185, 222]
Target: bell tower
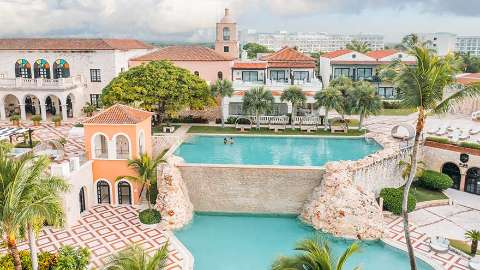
[226, 42]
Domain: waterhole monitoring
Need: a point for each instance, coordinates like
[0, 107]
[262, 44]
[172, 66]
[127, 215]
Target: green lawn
[232, 130]
[424, 195]
[159, 129]
[403, 111]
[461, 245]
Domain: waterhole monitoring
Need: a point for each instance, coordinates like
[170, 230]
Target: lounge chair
[474, 130]
[278, 123]
[243, 124]
[465, 134]
[297, 121]
[455, 135]
[474, 263]
[439, 244]
[309, 123]
[442, 130]
[433, 130]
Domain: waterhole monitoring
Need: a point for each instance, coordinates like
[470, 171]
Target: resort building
[42, 76]
[359, 66]
[444, 43]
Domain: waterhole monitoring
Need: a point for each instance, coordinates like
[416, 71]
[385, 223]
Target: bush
[56, 119]
[392, 200]
[78, 125]
[188, 120]
[36, 118]
[70, 258]
[46, 261]
[391, 104]
[153, 192]
[434, 180]
[470, 145]
[149, 216]
[15, 117]
[231, 120]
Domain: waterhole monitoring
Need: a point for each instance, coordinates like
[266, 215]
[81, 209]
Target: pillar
[463, 180]
[43, 111]
[64, 112]
[3, 114]
[23, 113]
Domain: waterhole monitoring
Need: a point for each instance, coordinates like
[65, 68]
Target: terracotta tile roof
[287, 54]
[119, 114]
[291, 64]
[350, 62]
[249, 65]
[381, 53]
[336, 53]
[468, 78]
[71, 44]
[183, 53]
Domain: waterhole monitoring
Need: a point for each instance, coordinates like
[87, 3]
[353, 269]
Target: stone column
[3, 114]
[463, 180]
[57, 107]
[43, 111]
[64, 113]
[23, 113]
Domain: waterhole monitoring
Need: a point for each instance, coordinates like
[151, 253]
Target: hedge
[68, 258]
[149, 216]
[434, 180]
[392, 200]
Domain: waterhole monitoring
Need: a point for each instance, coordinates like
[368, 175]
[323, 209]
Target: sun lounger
[439, 244]
[309, 123]
[465, 134]
[474, 130]
[474, 263]
[243, 124]
[442, 130]
[278, 123]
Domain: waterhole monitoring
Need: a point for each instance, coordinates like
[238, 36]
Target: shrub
[149, 216]
[78, 125]
[46, 261]
[70, 258]
[391, 104]
[153, 192]
[56, 119]
[438, 139]
[36, 118]
[470, 145]
[188, 119]
[392, 200]
[15, 117]
[231, 120]
[434, 180]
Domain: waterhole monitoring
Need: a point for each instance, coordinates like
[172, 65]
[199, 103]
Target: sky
[194, 20]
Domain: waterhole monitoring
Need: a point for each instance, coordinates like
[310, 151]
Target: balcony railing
[313, 84]
[40, 83]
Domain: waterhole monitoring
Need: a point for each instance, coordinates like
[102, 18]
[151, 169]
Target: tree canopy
[254, 48]
[161, 86]
[359, 46]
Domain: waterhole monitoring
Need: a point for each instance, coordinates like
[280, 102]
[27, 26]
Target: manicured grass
[461, 245]
[232, 130]
[423, 195]
[403, 111]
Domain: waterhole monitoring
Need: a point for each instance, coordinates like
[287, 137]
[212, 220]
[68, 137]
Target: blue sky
[195, 19]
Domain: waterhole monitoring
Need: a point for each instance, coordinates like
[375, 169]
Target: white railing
[40, 83]
[314, 84]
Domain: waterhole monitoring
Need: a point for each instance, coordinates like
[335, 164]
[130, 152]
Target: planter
[57, 124]
[36, 123]
[16, 122]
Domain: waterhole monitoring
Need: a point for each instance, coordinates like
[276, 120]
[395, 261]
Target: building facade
[444, 43]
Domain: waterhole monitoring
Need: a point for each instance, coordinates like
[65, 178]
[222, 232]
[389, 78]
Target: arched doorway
[124, 193]
[472, 181]
[81, 198]
[103, 192]
[32, 105]
[70, 100]
[12, 105]
[452, 170]
[53, 105]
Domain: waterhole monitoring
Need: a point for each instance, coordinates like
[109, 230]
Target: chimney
[227, 12]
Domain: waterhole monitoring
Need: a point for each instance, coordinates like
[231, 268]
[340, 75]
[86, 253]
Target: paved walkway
[464, 198]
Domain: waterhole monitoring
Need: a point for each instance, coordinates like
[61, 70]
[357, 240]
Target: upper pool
[274, 150]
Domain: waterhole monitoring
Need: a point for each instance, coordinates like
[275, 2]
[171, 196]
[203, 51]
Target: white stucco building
[58, 76]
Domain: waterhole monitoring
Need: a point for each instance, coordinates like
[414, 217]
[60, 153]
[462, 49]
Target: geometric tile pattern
[450, 260]
[106, 229]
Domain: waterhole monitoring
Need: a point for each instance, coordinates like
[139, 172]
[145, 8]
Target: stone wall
[249, 189]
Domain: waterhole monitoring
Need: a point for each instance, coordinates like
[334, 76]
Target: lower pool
[253, 242]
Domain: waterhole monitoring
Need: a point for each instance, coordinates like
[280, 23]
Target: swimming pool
[239, 242]
[274, 150]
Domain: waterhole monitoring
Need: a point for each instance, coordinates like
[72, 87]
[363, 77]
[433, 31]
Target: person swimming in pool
[225, 140]
[231, 140]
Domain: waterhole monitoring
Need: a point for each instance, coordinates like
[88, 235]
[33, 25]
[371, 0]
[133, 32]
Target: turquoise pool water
[240, 242]
[270, 150]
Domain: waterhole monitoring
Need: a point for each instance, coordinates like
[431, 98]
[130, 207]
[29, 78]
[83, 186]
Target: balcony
[27, 83]
[313, 84]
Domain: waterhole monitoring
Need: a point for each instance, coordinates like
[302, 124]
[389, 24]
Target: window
[220, 75]
[387, 92]
[100, 147]
[364, 73]
[250, 76]
[23, 69]
[235, 108]
[226, 33]
[95, 100]
[41, 69]
[278, 75]
[122, 148]
[226, 49]
[339, 72]
[196, 73]
[300, 76]
[95, 75]
[61, 69]
[279, 109]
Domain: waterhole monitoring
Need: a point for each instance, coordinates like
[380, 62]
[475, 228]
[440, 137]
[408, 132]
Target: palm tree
[316, 255]
[422, 86]
[136, 258]
[146, 168]
[222, 89]
[346, 87]
[330, 98]
[367, 101]
[257, 101]
[474, 236]
[294, 95]
[358, 46]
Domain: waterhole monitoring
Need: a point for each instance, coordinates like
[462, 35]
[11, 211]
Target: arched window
[122, 148]
[220, 75]
[81, 198]
[141, 143]
[226, 33]
[41, 69]
[100, 146]
[103, 192]
[472, 181]
[61, 69]
[196, 73]
[23, 69]
[452, 170]
[124, 193]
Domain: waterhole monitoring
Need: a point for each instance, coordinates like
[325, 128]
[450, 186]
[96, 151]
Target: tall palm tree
[146, 168]
[315, 255]
[330, 98]
[294, 95]
[136, 258]
[474, 236]
[367, 101]
[358, 46]
[422, 86]
[222, 89]
[257, 101]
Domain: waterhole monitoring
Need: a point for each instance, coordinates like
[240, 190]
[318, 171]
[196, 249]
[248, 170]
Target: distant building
[445, 43]
[310, 42]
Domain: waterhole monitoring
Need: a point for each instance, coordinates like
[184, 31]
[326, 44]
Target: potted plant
[15, 119]
[88, 109]
[57, 120]
[36, 120]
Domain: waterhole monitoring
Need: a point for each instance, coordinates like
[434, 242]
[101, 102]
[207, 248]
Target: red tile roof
[350, 62]
[71, 44]
[381, 53]
[468, 78]
[336, 53]
[249, 65]
[119, 114]
[290, 64]
[287, 54]
[183, 53]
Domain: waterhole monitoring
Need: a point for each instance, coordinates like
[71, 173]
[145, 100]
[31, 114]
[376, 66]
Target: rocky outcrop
[173, 201]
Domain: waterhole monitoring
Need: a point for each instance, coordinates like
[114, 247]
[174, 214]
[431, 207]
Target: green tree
[136, 258]
[315, 255]
[329, 98]
[254, 48]
[222, 89]
[256, 101]
[161, 86]
[358, 46]
[367, 101]
[294, 95]
[474, 236]
[346, 87]
[422, 86]
[146, 168]
[468, 63]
